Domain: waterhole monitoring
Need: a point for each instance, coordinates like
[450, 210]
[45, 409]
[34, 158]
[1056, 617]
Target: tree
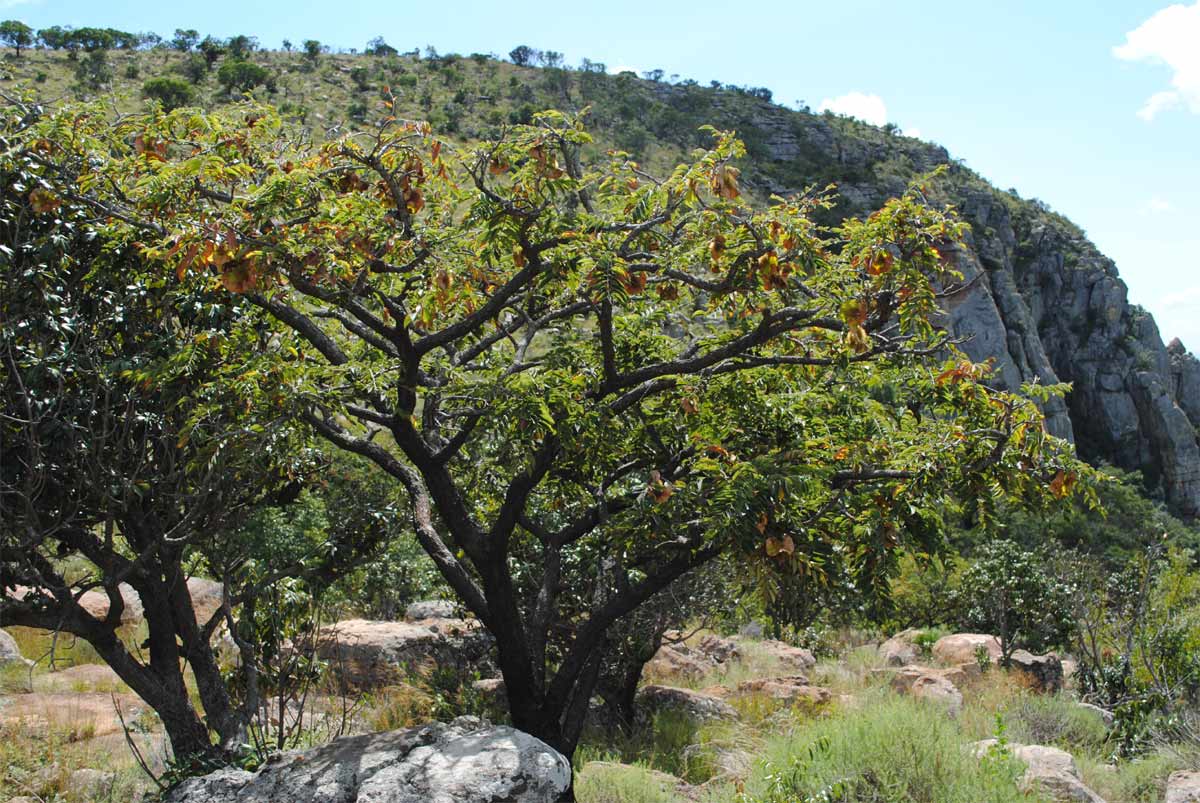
[241, 76]
[54, 37]
[287, 45]
[171, 92]
[185, 39]
[1013, 592]
[211, 49]
[522, 55]
[312, 50]
[16, 34]
[241, 46]
[582, 366]
[379, 47]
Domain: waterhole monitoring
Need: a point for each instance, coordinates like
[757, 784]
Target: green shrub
[241, 76]
[895, 750]
[170, 91]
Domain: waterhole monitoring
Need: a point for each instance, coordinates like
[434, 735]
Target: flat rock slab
[369, 654]
[86, 714]
[960, 648]
[695, 705]
[1183, 787]
[466, 761]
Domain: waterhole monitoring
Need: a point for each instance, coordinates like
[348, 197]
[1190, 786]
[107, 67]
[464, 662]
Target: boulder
[206, 595]
[89, 784]
[679, 661]
[1042, 673]
[900, 649]
[80, 678]
[791, 690]
[695, 705]
[369, 654]
[720, 650]
[959, 648]
[1049, 770]
[1105, 715]
[792, 657]
[81, 715]
[465, 761]
[938, 690]
[1183, 787]
[429, 609]
[10, 653]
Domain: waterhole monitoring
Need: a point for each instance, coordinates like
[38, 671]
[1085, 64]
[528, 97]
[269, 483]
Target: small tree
[211, 49]
[16, 34]
[1014, 593]
[171, 92]
[287, 46]
[522, 55]
[241, 46]
[185, 39]
[312, 50]
[241, 76]
[581, 366]
[379, 47]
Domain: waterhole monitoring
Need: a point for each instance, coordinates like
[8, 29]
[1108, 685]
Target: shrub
[241, 76]
[171, 92]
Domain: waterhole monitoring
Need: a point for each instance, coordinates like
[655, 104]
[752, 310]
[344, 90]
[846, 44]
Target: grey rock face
[429, 609]
[466, 761]
[1043, 673]
[1183, 787]
[9, 652]
[1039, 299]
[694, 705]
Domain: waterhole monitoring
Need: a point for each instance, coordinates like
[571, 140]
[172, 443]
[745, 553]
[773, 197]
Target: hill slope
[1044, 303]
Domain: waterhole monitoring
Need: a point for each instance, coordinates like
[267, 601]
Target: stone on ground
[959, 648]
[938, 690]
[90, 784]
[466, 761]
[900, 649]
[791, 690]
[793, 657]
[429, 609]
[9, 651]
[695, 705]
[84, 715]
[1043, 673]
[367, 654]
[1183, 787]
[1049, 770]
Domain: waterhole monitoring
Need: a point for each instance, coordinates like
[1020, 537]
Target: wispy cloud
[1180, 299]
[1169, 38]
[868, 108]
[1157, 204]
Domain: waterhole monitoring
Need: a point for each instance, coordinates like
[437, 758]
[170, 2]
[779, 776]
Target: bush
[171, 92]
[897, 750]
[241, 76]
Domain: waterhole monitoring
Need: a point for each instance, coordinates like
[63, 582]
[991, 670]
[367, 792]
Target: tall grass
[894, 750]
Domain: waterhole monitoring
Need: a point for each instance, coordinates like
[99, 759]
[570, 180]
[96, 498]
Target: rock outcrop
[371, 654]
[466, 761]
[1043, 673]
[9, 651]
[694, 705]
[960, 648]
[1183, 787]
[900, 649]
[1039, 299]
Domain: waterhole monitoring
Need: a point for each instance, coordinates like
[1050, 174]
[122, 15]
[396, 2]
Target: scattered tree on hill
[16, 35]
[241, 46]
[185, 39]
[522, 55]
[169, 91]
[55, 37]
[312, 50]
[241, 76]
[211, 49]
[379, 47]
[287, 46]
[592, 382]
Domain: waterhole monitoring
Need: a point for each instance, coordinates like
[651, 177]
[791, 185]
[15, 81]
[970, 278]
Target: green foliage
[185, 40]
[16, 34]
[1014, 593]
[897, 750]
[169, 91]
[241, 76]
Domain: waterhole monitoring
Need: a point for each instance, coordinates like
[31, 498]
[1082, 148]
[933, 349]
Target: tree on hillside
[170, 91]
[241, 46]
[312, 50]
[211, 49]
[16, 35]
[55, 37]
[588, 381]
[185, 39]
[241, 76]
[522, 55]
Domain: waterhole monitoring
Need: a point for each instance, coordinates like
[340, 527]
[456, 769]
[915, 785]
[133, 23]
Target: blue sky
[1094, 107]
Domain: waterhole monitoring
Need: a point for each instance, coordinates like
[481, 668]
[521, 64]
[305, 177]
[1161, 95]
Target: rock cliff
[1040, 299]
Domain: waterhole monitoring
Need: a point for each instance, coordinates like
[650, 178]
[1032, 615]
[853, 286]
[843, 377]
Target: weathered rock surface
[677, 659]
[429, 609]
[959, 648]
[1038, 298]
[90, 784]
[1183, 787]
[695, 705]
[938, 690]
[83, 714]
[791, 657]
[1048, 769]
[791, 690]
[466, 761]
[370, 654]
[1043, 673]
[900, 649]
[9, 651]
[1104, 714]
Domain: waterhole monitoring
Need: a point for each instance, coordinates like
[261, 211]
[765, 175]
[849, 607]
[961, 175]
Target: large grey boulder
[1043, 673]
[465, 761]
[1048, 770]
[429, 609]
[900, 649]
[9, 651]
[1183, 787]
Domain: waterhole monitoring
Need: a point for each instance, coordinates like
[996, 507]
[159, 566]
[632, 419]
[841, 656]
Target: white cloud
[1186, 298]
[915, 133]
[868, 108]
[1170, 38]
[1157, 204]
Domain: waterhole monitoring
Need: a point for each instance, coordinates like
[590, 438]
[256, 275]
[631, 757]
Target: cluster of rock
[1048, 770]
[465, 761]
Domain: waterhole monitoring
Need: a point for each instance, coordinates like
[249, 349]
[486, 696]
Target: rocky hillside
[1041, 300]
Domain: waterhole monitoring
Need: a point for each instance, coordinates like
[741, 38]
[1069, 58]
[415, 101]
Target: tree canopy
[587, 379]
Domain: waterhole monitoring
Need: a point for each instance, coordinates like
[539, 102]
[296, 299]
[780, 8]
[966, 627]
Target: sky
[1093, 106]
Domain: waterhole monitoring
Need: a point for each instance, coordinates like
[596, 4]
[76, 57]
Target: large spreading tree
[588, 380]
